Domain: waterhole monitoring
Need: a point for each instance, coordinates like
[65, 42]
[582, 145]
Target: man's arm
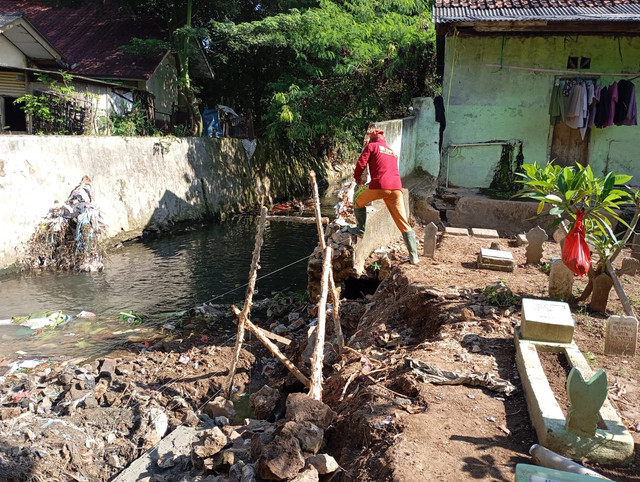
[362, 163]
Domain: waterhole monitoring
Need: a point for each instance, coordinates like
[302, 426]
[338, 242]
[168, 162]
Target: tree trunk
[602, 285]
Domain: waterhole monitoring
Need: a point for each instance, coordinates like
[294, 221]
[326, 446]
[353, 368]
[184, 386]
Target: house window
[578, 63]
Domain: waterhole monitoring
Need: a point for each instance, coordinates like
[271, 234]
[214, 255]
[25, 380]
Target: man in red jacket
[386, 185]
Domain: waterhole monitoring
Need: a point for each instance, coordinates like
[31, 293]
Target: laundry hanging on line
[583, 104]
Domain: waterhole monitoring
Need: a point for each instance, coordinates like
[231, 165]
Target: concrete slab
[535, 473]
[381, 230]
[472, 209]
[485, 233]
[456, 231]
[612, 445]
[177, 443]
[496, 260]
[544, 320]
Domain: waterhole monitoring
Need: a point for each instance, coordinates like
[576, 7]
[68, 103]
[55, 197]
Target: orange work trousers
[392, 198]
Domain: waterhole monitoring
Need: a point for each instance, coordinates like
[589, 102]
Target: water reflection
[155, 279]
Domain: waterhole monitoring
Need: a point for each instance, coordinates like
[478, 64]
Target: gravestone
[496, 260]
[430, 237]
[586, 399]
[559, 235]
[484, 233]
[543, 320]
[535, 237]
[635, 248]
[560, 281]
[621, 335]
[456, 231]
[521, 239]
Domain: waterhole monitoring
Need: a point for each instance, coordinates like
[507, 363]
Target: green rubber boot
[361, 220]
[410, 241]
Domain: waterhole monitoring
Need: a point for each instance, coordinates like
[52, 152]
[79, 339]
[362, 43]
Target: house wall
[10, 56]
[415, 138]
[137, 183]
[163, 86]
[485, 104]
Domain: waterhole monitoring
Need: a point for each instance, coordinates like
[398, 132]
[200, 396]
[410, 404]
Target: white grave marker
[544, 320]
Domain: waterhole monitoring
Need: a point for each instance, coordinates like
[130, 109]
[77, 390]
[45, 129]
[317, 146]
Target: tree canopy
[323, 72]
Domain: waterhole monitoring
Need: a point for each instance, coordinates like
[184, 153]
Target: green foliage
[145, 47]
[130, 317]
[499, 294]
[44, 108]
[320, 74]
[132, 123]
[569, 189]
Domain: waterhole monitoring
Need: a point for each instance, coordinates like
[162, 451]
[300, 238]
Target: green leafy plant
[571, 189]
[375, 266]
[51, 110]
[499, 294]
[130, 317]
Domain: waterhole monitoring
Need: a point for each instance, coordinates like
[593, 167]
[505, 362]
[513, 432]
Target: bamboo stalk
[335, 300]
[315, 391]
[253, 275]
[297, 219]
[260, 335]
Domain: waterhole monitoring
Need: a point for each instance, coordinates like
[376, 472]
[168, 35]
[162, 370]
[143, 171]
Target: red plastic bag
[575, 252]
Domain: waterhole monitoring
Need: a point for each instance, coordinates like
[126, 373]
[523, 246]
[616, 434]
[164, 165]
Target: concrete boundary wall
[137, 182]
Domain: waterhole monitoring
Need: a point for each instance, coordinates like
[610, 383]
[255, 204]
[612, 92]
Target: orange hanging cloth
[575, 252]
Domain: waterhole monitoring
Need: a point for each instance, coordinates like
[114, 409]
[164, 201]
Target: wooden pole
[628, 309]
[297, 219]
[262, 336]
[253, 275]
[315, 391]
[332, 285]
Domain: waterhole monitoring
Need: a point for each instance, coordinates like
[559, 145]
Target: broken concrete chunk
[212, 442]
[264, 401]
[309, 436]
[325, 464]
[310, 474]
[281, 459]
[302, 408]
[220, 406]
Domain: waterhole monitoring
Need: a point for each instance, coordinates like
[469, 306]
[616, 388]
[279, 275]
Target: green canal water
[156, 279]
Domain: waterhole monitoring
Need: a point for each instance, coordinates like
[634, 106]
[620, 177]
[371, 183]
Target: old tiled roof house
[84, 42]
[501, 62]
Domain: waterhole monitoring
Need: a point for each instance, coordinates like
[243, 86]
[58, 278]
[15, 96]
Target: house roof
[19, 31]
[88, 37]
[447, 11]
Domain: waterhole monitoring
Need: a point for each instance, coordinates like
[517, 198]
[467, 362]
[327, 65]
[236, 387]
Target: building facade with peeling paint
[499, 63]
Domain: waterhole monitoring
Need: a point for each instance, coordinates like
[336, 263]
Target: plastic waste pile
[69, 236]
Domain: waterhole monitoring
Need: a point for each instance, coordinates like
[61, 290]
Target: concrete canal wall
[137, 183]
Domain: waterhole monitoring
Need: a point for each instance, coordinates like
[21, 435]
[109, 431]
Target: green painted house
[501, 60]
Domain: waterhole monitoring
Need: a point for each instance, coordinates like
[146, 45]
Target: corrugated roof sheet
[88, 37]
[446, 11]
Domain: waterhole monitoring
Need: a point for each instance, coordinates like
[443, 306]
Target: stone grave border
[613, 445]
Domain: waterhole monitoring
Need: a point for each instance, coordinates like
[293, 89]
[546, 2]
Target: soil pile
[384, 418]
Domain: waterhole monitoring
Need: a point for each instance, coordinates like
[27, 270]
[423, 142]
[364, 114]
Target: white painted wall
[10, 56]
[137, 182]
[163, 86]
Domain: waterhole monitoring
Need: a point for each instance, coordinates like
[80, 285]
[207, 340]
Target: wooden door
[568, 147]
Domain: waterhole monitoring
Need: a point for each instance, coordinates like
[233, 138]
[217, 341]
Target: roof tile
[88, 37]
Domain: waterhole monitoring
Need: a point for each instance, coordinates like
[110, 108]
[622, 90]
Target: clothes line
[556, 71]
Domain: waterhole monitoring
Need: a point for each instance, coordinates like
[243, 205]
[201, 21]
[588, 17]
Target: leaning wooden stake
[253, 275]
[315, 391]
[626, 306]
[262, 335]
[335, 300]
[297, 219]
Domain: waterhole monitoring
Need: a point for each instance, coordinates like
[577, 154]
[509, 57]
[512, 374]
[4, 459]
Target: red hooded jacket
[383, 165]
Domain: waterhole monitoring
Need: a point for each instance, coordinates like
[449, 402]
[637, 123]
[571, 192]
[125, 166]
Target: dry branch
[244, 316]
[317, 359]
[335, 300]
[297, 219]
[260, 335]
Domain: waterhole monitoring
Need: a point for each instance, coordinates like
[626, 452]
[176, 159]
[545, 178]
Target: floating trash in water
[130, 317]
[86, 314]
